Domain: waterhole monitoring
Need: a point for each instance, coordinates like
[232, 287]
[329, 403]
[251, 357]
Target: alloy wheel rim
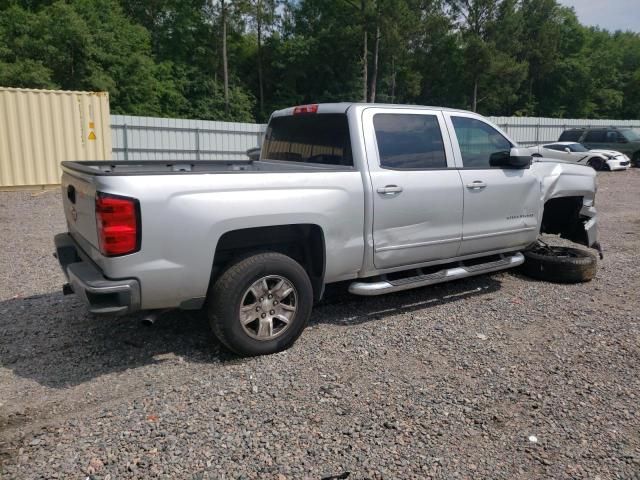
[268, 307]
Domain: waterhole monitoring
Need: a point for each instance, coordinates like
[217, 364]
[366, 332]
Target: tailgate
[79, 201]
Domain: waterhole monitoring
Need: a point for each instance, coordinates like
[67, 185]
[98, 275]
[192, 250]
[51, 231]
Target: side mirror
[567, 150]
[516, 158]
[253, 154]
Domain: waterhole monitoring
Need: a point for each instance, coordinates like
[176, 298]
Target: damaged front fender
[568, 195]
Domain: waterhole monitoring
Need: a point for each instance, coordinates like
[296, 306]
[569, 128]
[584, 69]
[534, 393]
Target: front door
[501, 205]
[559, 151]
[417, 192]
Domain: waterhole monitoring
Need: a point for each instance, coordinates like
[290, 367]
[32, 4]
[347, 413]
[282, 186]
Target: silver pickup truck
[386, 197]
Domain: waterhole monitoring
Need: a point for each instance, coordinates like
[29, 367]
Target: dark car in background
[625, 140]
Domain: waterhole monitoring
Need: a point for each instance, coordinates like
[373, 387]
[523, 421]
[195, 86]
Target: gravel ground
[492, 377]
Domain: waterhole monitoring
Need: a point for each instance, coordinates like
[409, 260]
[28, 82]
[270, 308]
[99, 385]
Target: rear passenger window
[407, 141]
[596, 136]
[478, 141]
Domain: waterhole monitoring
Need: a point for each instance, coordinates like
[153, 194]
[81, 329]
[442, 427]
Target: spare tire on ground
[559, 264]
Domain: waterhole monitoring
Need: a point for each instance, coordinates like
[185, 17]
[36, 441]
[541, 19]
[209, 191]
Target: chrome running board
[385, 285]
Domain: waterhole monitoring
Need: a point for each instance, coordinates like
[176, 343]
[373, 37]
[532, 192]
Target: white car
[614, 160]
[578, 153]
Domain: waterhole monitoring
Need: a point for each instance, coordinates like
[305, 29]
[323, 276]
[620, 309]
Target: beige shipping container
[41, 128]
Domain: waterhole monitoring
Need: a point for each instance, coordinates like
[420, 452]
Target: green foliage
[86, 45]
[164, 57]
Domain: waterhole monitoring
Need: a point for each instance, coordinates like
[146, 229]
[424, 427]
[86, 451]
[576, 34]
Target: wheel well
[562, 216]
[302, 242]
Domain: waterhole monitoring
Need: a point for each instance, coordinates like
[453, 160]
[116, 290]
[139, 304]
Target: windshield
[631, 135]
[578, 147]
[309, 138]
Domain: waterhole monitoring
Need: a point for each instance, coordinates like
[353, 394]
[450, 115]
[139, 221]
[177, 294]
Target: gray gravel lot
[492, 377]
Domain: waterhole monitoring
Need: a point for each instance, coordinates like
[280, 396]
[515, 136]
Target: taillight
[118, 222]
[301, 109]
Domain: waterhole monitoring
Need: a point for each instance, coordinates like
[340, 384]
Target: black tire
[597, 163]
[227, 294]
[559, 264]
[635, 162]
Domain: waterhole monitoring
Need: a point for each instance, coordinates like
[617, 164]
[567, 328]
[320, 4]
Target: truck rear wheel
[559, 264]
[261, 304]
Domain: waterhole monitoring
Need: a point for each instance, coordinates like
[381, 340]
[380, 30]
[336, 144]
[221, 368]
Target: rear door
[501, 206]
[614, 140]
[417, 191]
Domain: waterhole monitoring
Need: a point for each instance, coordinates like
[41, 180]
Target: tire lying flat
[559, 264]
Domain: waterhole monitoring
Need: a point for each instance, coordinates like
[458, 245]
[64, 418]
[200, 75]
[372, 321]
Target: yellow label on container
[92, 136]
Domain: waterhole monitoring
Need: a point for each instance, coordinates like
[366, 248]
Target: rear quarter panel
[184, 216]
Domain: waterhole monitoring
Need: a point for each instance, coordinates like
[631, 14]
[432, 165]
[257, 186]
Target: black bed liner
[163, 167]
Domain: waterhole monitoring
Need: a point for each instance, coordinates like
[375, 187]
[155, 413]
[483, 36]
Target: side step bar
[384, 285]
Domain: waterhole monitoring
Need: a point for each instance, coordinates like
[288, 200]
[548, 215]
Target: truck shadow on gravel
[52, 340]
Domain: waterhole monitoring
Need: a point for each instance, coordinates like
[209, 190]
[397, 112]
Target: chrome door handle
[390, 190]
[476, 185]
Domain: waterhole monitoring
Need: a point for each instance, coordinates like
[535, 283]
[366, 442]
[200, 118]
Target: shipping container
[41, 128]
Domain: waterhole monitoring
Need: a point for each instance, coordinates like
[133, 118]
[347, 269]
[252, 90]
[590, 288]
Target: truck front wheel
[260, 304]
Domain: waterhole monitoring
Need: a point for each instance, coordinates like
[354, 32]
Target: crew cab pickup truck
[387, 197]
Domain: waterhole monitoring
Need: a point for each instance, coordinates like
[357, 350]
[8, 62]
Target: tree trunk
[260, 81]
[393, 79]
[474, 105]
[225, 64]
[374, 74]
[365, 52]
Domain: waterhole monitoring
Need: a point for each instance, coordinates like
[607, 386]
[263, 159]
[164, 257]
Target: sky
[609, 14]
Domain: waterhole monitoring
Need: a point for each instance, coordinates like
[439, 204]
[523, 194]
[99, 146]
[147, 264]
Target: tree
[242, 59]
[225, 62]
[86, 45]
[263, 17]
[476, 16]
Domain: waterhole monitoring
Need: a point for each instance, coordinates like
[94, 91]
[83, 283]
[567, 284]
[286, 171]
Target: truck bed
[163, 167]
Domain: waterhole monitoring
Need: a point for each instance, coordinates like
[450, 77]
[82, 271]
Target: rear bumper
[102, 295]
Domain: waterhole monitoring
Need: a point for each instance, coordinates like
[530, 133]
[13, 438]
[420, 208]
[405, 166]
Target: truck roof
[342, 107]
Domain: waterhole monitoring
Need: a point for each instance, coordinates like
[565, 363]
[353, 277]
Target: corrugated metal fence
[149, 138]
